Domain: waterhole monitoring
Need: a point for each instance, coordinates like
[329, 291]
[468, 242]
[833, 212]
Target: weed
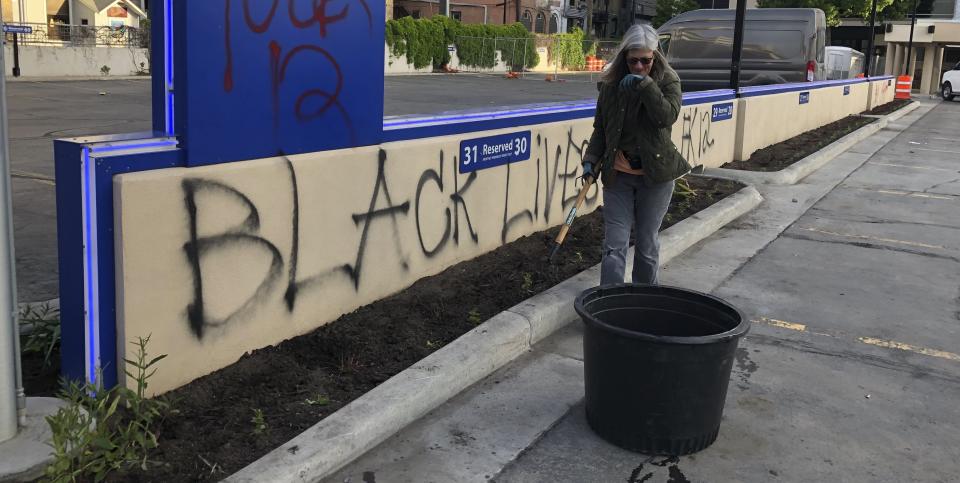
[319, 400]
[474, 316]
[105, 70]
[259, 422]
[433, 344]
[683, 189]
[578, 256]
[527, 285]
[41, 330]
[104, 430]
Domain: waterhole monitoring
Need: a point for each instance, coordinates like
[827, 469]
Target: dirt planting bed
[300, 381]
[883, 110]
[778, 156]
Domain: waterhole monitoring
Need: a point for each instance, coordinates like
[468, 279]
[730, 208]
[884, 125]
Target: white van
[843, 62]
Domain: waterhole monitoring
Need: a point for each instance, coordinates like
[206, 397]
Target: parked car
[950, 83]
[843, 62]
[779, 45]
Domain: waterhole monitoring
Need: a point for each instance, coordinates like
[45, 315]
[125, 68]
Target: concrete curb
[78, 78]
[372, 418]
[26, 456]
[801, 169]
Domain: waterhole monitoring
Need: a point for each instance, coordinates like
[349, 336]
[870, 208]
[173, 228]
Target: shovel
[587, 183]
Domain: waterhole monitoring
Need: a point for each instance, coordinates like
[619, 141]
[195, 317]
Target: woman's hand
[631, 80]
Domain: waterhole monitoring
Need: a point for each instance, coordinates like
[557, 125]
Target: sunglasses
[641, 60]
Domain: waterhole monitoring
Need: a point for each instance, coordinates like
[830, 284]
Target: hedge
[424, 41]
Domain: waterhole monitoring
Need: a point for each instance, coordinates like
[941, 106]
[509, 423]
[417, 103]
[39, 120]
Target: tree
[667, 9]
[837, 9]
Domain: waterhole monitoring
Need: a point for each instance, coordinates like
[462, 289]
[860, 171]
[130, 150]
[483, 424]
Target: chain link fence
[83, 35]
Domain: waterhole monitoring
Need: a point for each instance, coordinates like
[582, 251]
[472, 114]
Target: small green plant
[683, 189]
[578, 256]
[41, 329]
[527, 285]
[105, 70]
[259, 422]
[474, 316]
[104, 430]
[431, 344]
[319, 400]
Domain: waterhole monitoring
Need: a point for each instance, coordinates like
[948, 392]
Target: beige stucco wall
[881, 92]
[901, 33]
[769, 119]
[50, 61]
[703, 141]
[245, 219]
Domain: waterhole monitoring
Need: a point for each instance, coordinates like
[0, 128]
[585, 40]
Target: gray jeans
[629, 202]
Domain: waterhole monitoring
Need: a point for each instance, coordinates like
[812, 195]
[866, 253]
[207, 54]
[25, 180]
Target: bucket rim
[735, 333]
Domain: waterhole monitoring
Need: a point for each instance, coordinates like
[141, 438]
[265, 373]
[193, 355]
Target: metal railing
[77, 35]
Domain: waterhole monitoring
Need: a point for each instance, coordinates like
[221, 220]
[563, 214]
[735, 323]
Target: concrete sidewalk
[850, 372]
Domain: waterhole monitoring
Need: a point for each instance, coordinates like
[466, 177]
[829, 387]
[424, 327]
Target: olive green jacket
[659, 109]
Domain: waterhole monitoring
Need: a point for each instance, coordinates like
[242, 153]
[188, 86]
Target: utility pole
[913, 22]
[737, 46]
[588, 20]
[873, 33]
[12, 400]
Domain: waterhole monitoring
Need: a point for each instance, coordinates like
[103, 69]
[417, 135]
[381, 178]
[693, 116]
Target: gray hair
[638, 36]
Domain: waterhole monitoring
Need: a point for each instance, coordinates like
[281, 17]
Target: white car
[950, 85]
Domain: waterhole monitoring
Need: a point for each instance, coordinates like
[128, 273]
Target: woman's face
[639, 61]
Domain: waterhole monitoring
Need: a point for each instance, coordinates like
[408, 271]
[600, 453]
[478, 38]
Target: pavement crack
[868, 359]
[940, 184]
[875, 246]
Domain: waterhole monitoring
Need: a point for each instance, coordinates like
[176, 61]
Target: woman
[631, 151]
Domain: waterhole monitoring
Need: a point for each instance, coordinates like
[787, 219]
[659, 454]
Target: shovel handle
[571, 216]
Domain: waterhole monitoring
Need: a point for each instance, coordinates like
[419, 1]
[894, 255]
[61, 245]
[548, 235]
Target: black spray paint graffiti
[245, 235]
[458, 202]
[696, 140]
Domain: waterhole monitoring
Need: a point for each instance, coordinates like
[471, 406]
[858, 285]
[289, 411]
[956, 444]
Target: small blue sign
[483, 153]
[722, 112]
[17, 29]
[846, 90]
[804, 97]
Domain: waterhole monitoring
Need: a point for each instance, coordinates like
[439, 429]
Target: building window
[541, 21]
[554, 25]
[456, 15]
[415, 14]
[527, 21]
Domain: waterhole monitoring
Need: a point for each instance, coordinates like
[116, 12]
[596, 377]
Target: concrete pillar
[937, 70]
[897, 59]
[888, 61]
[912, 68]
[929, 52]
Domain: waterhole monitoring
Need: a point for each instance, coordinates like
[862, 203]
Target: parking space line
[913, 194]
[938, 150]
[925, 168]
[887, 344]
[876, 239]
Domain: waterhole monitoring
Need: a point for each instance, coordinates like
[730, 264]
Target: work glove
[588, 171]
[631, 80]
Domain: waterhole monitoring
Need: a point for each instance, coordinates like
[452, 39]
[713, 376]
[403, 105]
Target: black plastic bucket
[657, 361]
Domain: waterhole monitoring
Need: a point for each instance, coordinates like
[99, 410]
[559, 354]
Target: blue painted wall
[282, 76]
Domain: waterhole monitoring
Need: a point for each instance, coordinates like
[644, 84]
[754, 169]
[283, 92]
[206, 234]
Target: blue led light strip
[90, 268]
[168, 62]
[433, 120]
[91, 263]
[128, 147]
